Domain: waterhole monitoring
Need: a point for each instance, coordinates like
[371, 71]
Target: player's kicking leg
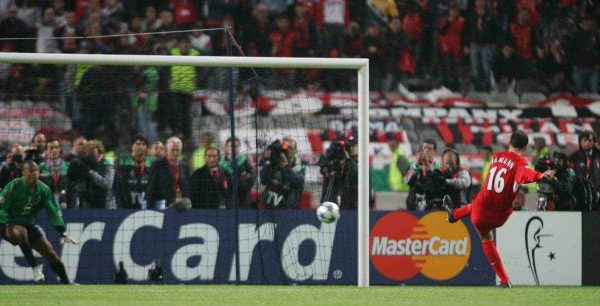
[18, 235]
[491, 253]
[455, 214]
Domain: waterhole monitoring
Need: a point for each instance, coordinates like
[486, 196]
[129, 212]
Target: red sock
[462, 212]
[489, 249]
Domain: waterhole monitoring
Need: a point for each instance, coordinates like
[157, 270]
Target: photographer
[458, 178]
[586, 163]
[36, 151]
[340, 175]
[91, 178]
[11, 168]
[282, 176]
[417, 169]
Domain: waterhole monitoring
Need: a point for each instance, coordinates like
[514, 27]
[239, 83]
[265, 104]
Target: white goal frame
[360, 65]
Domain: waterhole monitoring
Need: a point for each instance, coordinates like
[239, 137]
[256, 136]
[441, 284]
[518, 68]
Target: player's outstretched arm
[525, 175]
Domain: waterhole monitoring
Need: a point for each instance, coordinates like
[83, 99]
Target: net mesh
[130, 209]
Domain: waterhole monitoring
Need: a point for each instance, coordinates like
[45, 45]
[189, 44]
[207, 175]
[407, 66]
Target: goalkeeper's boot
[447, 204]
[506, 285]
[38, 276]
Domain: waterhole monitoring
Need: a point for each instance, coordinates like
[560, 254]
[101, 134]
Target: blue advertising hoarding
[276, 247]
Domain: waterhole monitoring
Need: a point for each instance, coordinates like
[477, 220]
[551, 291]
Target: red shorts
[486, 220]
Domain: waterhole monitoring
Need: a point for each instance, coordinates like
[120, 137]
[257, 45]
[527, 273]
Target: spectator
[586, 162]
[15, 27]
[12, 166]
[414, 27]
[397, 41]
[157, 150]
[482, 31]
[201, 41]
[525, 37]
[308, 40]
[68, 29]
[76, 149]
[382, 11]
[282, 45]
[144, 101]
[206, 141]
[151, 22]
[169, 177]
[186, 13]
[210, 184]
[133, 171]
[332, 16]
[398, 167]
[254, 34]
[246, 172]
[353, 38]
[450, 32]
[92, 178]
[506, 70]
[584, 52]
[100, 108]
[375, 49]
[551, 67]
[181, 87]
[29, 12]
[53, 172]
[46, 41]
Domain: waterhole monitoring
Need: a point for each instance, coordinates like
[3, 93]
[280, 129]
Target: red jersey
[508, 170]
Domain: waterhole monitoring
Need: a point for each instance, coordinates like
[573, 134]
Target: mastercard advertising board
[413, 248]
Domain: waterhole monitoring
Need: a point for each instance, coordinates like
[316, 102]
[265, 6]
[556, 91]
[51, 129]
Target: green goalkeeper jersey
[20, 206]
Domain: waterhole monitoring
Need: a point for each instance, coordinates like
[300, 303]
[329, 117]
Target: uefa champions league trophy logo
[533, 241]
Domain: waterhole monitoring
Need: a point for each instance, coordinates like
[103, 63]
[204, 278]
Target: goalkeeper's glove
[64, 238]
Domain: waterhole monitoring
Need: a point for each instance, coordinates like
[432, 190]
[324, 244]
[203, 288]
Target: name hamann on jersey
[503, 160]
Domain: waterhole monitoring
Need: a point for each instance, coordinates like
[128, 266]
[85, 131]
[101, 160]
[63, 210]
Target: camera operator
[556, 194]
[92, 178]
[246, 171]
[340, 175]
[282, 177]
[11, 168]
[565, 181]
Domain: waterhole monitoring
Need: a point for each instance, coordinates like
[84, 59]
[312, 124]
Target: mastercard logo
[401, 246]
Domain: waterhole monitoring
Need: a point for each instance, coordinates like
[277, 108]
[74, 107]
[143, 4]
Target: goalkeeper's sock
[490, 251]
[462, 212]
[28, 252]
[59, 269]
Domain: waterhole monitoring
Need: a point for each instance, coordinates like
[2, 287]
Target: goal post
[360, 65]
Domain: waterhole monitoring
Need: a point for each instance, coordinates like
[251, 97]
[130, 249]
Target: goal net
[158, 130]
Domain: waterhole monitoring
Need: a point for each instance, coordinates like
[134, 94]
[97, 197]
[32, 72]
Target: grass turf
[292, 295]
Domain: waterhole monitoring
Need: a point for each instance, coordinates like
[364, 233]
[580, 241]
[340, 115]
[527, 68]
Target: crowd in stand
[427, 180]
[546, 46]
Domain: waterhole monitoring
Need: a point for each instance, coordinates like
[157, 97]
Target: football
[328, 212]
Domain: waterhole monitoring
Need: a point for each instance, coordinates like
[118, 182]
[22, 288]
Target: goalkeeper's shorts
[34, 232]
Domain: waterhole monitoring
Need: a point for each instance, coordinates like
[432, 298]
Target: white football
[328, 212]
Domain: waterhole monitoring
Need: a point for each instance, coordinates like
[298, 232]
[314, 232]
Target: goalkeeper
[20, 202]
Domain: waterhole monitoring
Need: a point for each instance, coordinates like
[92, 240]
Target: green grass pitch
[293, 295]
